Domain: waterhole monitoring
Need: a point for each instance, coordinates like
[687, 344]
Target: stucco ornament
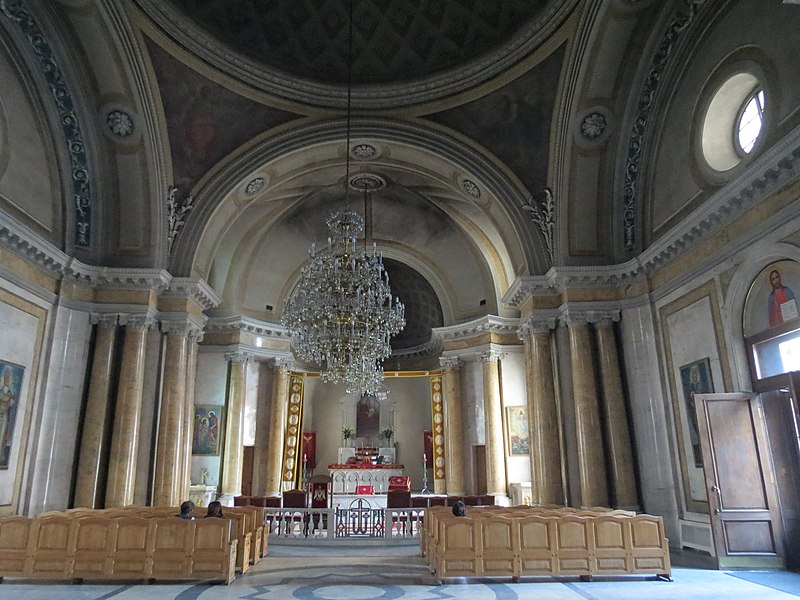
[593, 125]
[119, 123]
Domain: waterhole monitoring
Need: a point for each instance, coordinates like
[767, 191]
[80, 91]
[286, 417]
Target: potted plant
[347, 434]
[388, 433]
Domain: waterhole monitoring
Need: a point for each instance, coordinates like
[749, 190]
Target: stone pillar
[234, 427]
[127, 413]
[195, 336]
[454, 426]
[618, 438]
[495, 448]
[591, 456]
[546, 474]
[170, 455]
[277, 417]
[96, 424]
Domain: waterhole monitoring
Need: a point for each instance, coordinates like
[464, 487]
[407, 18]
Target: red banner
[309, 447]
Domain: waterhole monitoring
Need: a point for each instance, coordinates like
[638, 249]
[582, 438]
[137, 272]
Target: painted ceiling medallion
[593, 125]
[368, 181]
[119, 123]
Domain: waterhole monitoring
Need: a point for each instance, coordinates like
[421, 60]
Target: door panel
[744, 510]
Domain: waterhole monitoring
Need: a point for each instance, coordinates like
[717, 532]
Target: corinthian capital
[237, 357]
[451, 362]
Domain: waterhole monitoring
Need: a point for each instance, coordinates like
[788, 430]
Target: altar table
[347, 477]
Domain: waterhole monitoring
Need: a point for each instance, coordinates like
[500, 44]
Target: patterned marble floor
[387, 574]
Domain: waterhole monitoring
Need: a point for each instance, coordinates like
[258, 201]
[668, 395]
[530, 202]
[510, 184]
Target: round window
[751, 119]
[733, 121]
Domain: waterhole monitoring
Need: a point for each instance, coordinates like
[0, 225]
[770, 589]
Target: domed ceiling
[393, 40]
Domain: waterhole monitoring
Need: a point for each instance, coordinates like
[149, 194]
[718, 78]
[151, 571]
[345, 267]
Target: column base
[226, 499]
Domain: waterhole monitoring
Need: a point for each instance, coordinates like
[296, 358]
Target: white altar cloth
[345, 480]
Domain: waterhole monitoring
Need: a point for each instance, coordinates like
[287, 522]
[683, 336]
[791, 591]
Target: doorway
[781, 419]
[480, 470]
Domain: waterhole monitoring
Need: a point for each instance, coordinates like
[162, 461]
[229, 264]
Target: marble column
[546, 480]
[618, 438]
[127, 413]
[492, 406]
[588, 430]
[454, 426]
[231, 481]
[277, 417]
[96, 424]
[170, 458]
[195, 336]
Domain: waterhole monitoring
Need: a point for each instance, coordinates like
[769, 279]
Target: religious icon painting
[695, 379]
[10, 384]
[207, 430]
[518, 432]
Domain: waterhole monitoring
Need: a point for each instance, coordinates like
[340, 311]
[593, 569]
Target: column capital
[283, 364]
[451, 362]
[137, 321]
[492, 355]
[104, 319]
[596, 317]
[536, 325]
[238, 357]
[182, 327]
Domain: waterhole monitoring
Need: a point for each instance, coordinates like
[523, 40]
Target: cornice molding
[773, 170]
[28, 245]
[487, 324]
[247, 325]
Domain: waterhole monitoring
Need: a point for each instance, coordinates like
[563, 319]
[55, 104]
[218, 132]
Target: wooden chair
[93, 543]
[399, 499]
[172, 543]
[50, 552]
[295, 499]
[214, 550]
[14, 535]
[499, 541]
[132, 548]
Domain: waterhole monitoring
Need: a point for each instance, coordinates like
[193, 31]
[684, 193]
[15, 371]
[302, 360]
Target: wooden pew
[14, 539]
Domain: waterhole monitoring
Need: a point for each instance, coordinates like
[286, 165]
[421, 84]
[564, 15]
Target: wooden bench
[520, 542]
[103, 547]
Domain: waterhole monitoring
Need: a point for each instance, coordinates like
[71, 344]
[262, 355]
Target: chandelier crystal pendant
[341, 315]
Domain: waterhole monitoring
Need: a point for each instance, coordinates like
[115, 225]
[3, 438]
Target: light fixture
[341, 315]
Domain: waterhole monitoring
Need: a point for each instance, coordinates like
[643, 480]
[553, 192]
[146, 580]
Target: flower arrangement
[388, 433]
[347, 433]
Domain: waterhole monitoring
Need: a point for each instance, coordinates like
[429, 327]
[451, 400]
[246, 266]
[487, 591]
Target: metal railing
[357, 520]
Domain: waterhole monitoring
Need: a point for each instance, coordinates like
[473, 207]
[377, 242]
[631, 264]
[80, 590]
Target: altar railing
[358, 520]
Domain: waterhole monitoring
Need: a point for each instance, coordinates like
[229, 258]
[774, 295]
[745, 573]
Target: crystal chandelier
[341, 315]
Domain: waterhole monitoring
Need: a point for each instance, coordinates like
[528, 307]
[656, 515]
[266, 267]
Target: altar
[347, 478]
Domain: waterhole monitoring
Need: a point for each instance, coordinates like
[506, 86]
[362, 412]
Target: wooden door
[781, 414]
[745, 519]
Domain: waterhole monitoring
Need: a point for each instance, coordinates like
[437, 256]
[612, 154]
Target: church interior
[588, 210]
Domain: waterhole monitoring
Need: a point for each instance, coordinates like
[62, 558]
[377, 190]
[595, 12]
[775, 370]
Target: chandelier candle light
[341, 315]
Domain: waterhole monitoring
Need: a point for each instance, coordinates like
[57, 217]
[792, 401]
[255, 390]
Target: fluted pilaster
[94, 444]
[495, 450]
[454, 426]
[127, 414]
[280, 393]
[618, 439]
[588, 429]
[546, 473]
[234, 428]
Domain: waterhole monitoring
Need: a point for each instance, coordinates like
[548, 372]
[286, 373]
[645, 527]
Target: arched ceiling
[393, 40]
[453, 106]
